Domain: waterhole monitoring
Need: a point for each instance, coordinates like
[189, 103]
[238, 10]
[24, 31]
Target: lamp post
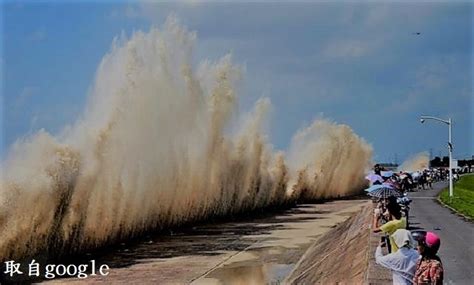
[450, 147]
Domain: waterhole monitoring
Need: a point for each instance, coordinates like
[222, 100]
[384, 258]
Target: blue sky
[359, 64]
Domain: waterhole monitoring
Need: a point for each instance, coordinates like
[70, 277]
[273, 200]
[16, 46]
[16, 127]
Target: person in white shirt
[402, 263]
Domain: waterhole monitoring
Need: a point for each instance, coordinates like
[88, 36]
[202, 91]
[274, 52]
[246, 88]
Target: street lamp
[450, 148]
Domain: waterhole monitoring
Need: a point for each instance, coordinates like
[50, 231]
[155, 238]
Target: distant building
[389, 166]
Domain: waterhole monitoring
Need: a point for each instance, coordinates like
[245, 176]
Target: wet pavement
[262, 250]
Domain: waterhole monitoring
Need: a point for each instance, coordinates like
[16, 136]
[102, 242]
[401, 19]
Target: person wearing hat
[403, 262]
[429, 269]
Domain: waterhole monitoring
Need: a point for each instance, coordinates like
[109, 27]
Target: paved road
[457, 235]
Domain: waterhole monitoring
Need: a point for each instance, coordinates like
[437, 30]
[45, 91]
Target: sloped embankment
[340, 256]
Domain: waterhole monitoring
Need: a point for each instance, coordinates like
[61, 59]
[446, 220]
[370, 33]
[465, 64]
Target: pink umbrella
[392, 183]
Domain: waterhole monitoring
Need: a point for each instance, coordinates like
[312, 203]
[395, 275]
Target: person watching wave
[396, 221]
[403, 262]
[429, 269]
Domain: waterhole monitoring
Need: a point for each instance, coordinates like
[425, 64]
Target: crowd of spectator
[412, 255]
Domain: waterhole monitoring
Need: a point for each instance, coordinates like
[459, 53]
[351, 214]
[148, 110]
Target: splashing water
[417, 162]
[328, 160]
[154, 149]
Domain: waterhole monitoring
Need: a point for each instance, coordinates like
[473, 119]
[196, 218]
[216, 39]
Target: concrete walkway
[258, 250]
[457, 235]
[377, 274]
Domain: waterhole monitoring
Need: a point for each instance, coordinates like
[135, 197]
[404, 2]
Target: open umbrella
[377, 187]
[385, 192]
[392, 183]
[386, 173]
[374, 177]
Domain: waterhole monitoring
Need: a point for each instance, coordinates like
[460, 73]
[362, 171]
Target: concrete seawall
[344, 255]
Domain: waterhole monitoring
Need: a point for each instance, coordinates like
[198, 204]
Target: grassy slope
[463, 199]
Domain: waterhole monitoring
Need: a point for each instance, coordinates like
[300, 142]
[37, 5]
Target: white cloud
[430, 82]
[435, 74]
